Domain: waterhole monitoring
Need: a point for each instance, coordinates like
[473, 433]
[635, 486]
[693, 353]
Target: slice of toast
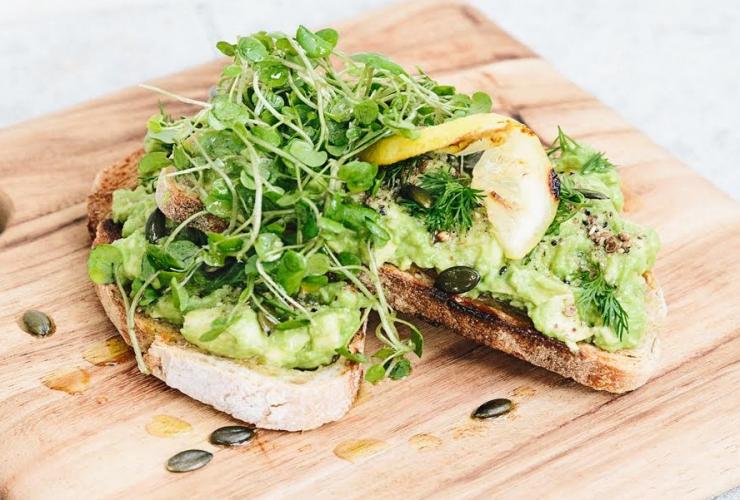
[270, 398]
[509, 330]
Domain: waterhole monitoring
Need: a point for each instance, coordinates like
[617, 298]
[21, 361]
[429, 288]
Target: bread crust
[512, 332]
[270, 398]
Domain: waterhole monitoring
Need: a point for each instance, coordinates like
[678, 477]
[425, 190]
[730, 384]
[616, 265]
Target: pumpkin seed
[592, 195]
[493, 408]
[37, 323]
[232, 435]
[156, 226]
[457, 279]
[469, 161]
[421, 196]
[189, 460]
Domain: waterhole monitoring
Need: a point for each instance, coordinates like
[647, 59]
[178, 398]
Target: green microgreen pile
[273, 154]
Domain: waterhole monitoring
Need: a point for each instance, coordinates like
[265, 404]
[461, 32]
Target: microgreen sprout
[274, 153]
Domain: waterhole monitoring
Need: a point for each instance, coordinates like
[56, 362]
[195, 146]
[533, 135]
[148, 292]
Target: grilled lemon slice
[514, 172]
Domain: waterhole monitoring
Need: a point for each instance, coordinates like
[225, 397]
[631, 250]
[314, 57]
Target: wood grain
[676, 437]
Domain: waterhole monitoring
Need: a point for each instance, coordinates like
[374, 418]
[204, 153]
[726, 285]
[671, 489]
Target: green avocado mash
[271, 249]
[546, 282]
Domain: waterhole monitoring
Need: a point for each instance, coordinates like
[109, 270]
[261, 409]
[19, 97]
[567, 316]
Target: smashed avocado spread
[588, 235]
[230, 235]
[260, 224]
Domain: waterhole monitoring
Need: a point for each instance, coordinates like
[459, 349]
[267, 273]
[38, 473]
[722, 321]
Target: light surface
[669, 67]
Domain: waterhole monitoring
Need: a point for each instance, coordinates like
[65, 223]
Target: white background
[672, 68]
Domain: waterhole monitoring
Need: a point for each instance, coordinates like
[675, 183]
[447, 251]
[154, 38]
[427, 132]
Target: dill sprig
[589, 160]
[571, 200]
[453, 201]
[599, 295]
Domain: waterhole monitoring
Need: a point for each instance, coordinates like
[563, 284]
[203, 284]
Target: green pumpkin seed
[471, 160]
[457, 279]
[493, 408]
[232, 435]
[592, 195]
[37, 323]
[156, 226]
[189, 460]
[419, 195]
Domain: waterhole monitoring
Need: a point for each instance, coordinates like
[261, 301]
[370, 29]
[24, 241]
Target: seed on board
[189, 460]
[457, 279]
[417, 194]
[156, 226]
[232, 435]
[493, 408]
[37, 323]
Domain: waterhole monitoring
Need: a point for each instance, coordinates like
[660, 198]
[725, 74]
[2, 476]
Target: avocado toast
[241, 251]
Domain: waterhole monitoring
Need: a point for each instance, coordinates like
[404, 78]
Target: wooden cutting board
[677, 436]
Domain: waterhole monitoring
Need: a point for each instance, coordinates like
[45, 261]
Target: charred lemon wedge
[514, 172]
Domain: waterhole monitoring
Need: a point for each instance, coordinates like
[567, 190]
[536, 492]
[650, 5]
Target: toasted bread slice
[511, 331]
[508, 330]
[270, 398]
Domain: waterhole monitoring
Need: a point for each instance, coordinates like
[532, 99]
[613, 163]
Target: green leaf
[272, 73]
[375, 374]
[383, 353]
[378, 61]
[284, 45]
[227, 245]
[180, 296]
[306, 154]
[400, 370]
[314, 45]
[268, 134]
[418, 340]
[290, 271]
[313, 284]
[307, 220]
[184, 251]
[289, 199]
[330, 35]
[152, 163]
[226, 48]
[180, 158]
[218, 201]
[359, 175]
[355, 357]
[268, 247]
[340, 110]
[443, 90]
[251, 49]
[228, 111]
[480, 103]
[102, 264]
[292, 324]
[163, 260]
[318, 264]
[366, 111]
[231, 70]
[378, 232]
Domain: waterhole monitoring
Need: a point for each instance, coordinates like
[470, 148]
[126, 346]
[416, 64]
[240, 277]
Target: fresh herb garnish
[600, 296]
[453, 201]
[571, 200]
[274, 153]
[572, 155]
